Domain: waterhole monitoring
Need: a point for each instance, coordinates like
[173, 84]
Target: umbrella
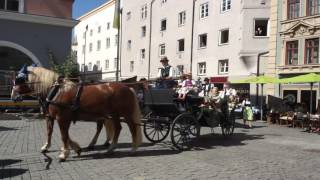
[306, 78]
[258, 80]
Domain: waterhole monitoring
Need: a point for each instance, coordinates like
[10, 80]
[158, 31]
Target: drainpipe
[257, 86]
[120, 45]
[149, 63]
[192, 34]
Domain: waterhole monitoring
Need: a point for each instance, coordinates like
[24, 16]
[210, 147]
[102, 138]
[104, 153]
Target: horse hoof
[62, 160]
[106, 144]
[78, 152]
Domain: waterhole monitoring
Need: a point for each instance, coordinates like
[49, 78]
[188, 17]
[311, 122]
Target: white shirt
[228, 92]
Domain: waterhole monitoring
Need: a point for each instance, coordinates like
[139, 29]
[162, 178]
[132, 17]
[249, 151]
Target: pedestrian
[247, 115]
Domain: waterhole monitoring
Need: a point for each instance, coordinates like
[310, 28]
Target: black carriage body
[166, 117]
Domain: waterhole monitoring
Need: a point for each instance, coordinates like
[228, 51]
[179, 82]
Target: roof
[96, 10]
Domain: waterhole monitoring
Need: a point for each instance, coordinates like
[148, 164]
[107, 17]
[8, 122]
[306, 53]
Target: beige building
[95, 41]
[294, 47]
[210, 38]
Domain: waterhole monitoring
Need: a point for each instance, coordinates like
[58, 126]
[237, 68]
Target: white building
[212, 38]
[96, 41]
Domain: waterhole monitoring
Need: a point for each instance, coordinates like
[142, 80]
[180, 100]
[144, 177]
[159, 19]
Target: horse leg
[75, 146]
[134, 129]
[109, 131]
[50, 123]
[95, 138]
[64, 130]
[117, 128]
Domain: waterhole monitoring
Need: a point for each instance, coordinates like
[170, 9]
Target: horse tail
[136, 116]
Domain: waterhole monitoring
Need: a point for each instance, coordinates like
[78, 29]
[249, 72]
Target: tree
[69, 67]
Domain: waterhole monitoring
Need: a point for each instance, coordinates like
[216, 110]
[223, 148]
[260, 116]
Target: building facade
[95, 42]
[30, 30]
[296, 46]
[209, 38]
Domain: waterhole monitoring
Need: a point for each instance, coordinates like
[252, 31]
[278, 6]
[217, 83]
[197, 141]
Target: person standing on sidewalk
[247, 115]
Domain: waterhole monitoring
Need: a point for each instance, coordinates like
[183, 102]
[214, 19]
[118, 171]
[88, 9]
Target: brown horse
[99, 102]
[37, 82]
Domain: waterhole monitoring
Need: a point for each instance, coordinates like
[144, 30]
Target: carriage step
[158, 119]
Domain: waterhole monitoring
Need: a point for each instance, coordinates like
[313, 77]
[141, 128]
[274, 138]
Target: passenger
[206, 88]
[187, 85]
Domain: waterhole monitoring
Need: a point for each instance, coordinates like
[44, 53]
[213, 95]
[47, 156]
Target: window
[223, 66]
[312, 51]
[83, 49]
[293, 9]
[204, 10]
[292, 53]
[90, 66]
[163, 24]
[162, 49]
[129, 45]
[128, 15]
[181, 45]
[202, 68]
[261, 27]
[10, 5]
[98, 65]
[143, 54]
[82, 68]
[115, 63]
[116, 40]
[144, 11]
[108, 25]
[163, 1]
[91, 32]
[313, 7]
[99, 29]
[90, 47]
[225, 5]
[131, 66]
[108, 43]
[224, 36]
[143, 31]
[106, 65]
[98, 45]
[202, 40]
[182, 18]
[180, 69]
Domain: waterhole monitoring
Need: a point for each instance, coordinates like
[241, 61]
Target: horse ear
[24, 69]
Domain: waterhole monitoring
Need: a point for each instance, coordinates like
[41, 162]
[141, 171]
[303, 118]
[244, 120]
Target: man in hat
[166, 72]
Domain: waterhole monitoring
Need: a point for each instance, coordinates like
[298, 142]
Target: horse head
[20, 85]
[32, 80]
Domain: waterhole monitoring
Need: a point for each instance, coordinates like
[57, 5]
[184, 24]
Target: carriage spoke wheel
[227, 126]
[185, 130]
[156, 131]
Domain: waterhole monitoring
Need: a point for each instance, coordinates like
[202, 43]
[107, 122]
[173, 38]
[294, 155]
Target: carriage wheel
[156, 131]
[185, 130]
[227, 126]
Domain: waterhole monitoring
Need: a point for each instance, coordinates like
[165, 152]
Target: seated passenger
[187, 85]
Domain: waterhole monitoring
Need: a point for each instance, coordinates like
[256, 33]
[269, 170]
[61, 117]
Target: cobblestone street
[265, 152]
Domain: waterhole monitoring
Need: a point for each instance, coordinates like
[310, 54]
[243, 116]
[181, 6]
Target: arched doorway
[13, 56]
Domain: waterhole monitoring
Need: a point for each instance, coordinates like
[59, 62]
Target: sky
[81, 7]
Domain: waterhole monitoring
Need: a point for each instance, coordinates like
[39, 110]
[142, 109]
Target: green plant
[69, 67]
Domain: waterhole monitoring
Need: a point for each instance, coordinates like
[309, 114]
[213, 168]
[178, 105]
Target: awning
[219, 79]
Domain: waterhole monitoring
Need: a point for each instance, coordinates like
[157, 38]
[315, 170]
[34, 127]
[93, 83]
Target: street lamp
[84, 53]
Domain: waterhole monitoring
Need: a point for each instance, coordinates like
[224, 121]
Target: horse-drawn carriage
[183, 124]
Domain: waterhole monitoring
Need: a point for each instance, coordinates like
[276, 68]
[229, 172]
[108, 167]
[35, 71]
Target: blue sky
[80, 7]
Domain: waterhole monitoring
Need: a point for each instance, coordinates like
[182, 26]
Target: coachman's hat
[164, 59]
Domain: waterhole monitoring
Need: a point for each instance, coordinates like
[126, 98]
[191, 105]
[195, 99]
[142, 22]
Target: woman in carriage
[187, 85]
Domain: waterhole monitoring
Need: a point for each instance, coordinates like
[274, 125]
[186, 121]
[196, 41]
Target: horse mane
[41, 79]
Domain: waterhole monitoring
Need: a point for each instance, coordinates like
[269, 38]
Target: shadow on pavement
[7, 129]
[120, 145]
[10, 172]
[210, 141]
